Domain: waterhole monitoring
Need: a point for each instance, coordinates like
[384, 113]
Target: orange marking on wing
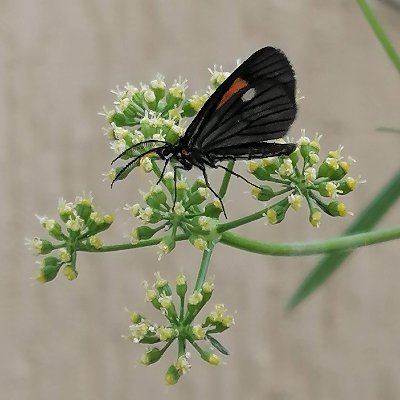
[235, 87]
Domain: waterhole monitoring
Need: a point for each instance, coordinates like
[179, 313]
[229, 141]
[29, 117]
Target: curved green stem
[305, 249]
[240, 221]
[205, 261]
[380, 33]
[127, 246]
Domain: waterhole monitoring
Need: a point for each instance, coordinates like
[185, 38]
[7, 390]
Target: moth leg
[237, 175]
[213, 191]
[162, 172]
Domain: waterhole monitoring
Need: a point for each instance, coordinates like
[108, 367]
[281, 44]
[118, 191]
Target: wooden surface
[58, 61]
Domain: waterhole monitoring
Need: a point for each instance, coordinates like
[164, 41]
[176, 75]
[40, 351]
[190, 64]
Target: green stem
[240, 221]
[305, 249]
[226, 179]
[380, 33]
[181, 346]
[127, 246]
[205, 261]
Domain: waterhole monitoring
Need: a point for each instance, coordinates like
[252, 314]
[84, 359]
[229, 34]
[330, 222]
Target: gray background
[62, 340]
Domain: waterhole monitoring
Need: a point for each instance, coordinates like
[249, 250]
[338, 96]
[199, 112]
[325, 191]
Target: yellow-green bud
[155, 197]
[336, 209]
[276, 213]
[198, 196]
[328, 189]
[199, 243]
[264, 194]
[142, 233]
[134, 317]
[348, 185]
[70, 272]
[212, 359]
[49, 269]
[40, 246]
[198, 332]
[315, 217]
[181, 285]
[328, 168]
[95, 241]
[151, 356]
[166, 245]
[198, 183]
[341, 171]
[214, 209]
[172, 376]
[166, 334]
[84, 208]
[53, 228]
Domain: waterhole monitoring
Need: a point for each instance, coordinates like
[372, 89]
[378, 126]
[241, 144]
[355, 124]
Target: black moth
[254, 105]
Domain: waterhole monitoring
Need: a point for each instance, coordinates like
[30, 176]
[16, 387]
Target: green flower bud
[166, 334]
[151, 356]
[172, 376]
[150, 99]
[174, 133]
[271, 164]
[337, 209]
[98, 222]
[181, 190]
[169, 181]
[214, 209]
[207, 291]
[150, 338]
[134, 317]
[162, 285]
[84, 208]
[147, 128]
[315, 217]
[119, 119]
[198, 196]
[198, 183]
[328, 168]
[195, 302]
[95, 242]
[150, 215]
[197, 332]
[142, 233]
[159, 91]
[212, 359]
[53, 228]
[70, 272]
[264, 194]
[188, 109]
[181, 285]
[198, 242]
[328, 189]
[341, 171]
[347, 185]
[49, 269]
[40, 246]
[276, 213]
[166, 245]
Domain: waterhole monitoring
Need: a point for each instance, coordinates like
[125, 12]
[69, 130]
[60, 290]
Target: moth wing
[255, 103]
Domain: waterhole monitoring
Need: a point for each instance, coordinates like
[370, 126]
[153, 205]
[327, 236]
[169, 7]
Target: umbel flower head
[180, 325]
[304, 178]
[77, 229]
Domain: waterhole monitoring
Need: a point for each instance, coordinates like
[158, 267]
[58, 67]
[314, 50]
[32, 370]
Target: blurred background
[62, 340]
